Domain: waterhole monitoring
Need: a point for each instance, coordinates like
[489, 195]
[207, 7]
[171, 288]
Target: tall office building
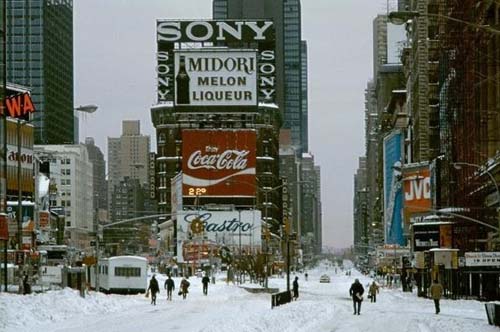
[128, 157]
[40, 57]
[286, 15]
[304, 98]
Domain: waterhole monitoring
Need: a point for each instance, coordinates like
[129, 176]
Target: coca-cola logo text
[227, 160]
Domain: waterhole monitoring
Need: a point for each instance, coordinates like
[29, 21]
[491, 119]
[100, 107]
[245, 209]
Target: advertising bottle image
[182, 82]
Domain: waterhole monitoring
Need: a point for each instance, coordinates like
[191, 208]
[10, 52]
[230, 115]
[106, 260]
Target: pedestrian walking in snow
[373, 291]
[153, 288]
[306, 275]
[169, 286]
[436, 293]
[296, 288]
[184, 288]
[356, 291]
[205, 281]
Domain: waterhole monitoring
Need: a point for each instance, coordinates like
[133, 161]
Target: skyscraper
[304, 98]
[128, 157]
[286, 15]
[40, 57]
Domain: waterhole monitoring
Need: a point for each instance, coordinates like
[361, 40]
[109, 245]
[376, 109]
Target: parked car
[324, 279]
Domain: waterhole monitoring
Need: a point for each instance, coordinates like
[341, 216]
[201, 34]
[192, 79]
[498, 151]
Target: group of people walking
[169, 285]
[356, 292]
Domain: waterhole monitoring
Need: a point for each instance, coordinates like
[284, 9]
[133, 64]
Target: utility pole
[266, 240]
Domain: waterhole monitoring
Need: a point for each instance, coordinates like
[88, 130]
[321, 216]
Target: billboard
[224, 228]
[218, 163]
[417, 191]
[393, 198]
[260, 33]
[216, 77]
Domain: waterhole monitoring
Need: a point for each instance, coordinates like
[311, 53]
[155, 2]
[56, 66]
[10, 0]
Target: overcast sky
[114, 59]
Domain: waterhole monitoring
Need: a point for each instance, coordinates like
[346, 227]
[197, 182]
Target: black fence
[493, 313]
[280, 298]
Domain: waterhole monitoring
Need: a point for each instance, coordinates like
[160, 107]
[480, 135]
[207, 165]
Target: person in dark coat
[169, 286]
[26, 285]
[153, 288]
[356, 291]
[296, 288]
[205, 281]
[184, 288]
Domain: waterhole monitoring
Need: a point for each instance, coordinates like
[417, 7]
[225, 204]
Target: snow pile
[22, 313]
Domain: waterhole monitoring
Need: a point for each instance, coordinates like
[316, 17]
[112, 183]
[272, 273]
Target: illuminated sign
[19, 105]
[218, 162]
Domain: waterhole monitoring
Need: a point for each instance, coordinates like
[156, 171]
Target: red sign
[19, 105]
[4, 227]
[417, 191]
[218, 162]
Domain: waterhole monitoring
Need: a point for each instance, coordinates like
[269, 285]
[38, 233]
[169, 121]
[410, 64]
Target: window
[127, 271]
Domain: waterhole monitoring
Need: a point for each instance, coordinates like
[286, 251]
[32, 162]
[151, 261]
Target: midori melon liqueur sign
[211, 77]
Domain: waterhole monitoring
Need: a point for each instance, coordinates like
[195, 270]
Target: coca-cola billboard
[218, 162]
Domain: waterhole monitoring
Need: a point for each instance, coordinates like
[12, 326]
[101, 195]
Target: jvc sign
[417, 191]
[419, 188]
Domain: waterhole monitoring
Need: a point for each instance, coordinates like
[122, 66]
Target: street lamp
[401, 17]
[86, 108]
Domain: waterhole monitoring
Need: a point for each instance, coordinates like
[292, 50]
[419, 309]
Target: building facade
[71, 172]
[100, 194]
[40, 55]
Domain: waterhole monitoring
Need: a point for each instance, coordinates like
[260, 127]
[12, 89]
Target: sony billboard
[216, 77]
[238, 72]
[219, 163]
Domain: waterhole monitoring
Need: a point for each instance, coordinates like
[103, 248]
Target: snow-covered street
[321, 307]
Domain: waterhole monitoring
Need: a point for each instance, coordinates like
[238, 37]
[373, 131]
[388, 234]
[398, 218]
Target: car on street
[324, 278]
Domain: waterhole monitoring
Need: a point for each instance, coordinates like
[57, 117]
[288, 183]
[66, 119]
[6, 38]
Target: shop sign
[482, 258]
[19, 105]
